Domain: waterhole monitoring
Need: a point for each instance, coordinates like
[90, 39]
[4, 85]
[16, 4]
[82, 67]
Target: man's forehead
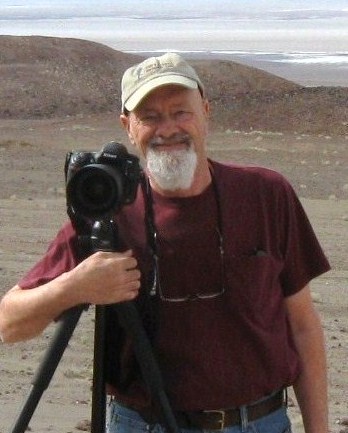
[175, 92]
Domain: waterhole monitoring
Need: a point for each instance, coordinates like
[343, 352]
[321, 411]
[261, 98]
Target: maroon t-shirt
[235, 348]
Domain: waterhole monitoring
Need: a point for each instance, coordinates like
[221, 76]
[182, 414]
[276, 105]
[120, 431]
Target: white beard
[172, 170]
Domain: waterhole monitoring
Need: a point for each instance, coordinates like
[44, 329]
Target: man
[221, 276]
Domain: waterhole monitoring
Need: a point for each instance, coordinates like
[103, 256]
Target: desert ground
[32, 203]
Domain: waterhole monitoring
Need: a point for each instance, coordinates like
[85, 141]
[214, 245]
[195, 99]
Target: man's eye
[183, 116]
[149, 118]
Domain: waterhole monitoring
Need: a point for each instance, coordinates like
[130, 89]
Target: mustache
[173, 139]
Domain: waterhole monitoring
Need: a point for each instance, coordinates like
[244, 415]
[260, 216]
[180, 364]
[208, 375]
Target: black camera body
[99, 183]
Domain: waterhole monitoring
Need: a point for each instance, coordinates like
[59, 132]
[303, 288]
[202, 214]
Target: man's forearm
[24, 314]
[311, 386]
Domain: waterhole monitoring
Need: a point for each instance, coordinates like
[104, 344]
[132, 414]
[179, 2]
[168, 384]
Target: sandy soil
[32, 203]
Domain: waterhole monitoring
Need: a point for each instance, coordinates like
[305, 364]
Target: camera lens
[96, 193]
[95, 190]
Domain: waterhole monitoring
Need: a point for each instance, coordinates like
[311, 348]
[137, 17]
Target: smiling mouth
[171, 147]
[177, 141]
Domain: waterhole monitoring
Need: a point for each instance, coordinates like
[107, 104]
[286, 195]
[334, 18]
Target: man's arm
[103, 278]
[311, 386]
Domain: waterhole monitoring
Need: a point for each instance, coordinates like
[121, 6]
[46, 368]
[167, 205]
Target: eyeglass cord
[151, 229]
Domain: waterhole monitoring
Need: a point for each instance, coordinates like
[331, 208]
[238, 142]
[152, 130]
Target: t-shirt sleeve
[304, 258]
[60, 257]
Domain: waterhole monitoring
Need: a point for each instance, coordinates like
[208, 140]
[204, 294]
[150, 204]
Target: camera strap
[151, 229]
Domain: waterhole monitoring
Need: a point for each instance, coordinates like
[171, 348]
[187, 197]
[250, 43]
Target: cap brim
[134, 100]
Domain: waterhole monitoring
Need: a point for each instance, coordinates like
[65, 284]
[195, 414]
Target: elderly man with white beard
[221, 280]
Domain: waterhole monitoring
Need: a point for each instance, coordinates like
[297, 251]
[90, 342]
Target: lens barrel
[95, 190]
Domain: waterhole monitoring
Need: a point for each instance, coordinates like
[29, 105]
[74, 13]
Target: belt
[219, 419]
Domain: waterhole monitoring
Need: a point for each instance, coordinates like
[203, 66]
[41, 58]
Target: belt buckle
[222, 414]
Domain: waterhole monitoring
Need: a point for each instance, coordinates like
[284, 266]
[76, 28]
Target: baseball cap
[141, 79]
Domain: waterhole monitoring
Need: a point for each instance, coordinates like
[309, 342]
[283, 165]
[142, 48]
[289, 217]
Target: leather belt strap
[220, 419]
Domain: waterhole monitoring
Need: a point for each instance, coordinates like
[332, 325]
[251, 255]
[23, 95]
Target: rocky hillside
[55, 77]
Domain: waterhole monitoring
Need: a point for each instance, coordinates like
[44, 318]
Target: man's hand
[106, 278]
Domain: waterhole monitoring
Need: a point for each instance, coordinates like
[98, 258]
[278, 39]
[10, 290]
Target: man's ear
[124, 120]
[206, 108]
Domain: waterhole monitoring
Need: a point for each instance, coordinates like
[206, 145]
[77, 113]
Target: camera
[99, 183]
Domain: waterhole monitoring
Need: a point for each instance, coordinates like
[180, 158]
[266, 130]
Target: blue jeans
[124, 420]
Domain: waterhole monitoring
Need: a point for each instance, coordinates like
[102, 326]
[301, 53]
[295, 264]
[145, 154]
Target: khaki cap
[141, 79]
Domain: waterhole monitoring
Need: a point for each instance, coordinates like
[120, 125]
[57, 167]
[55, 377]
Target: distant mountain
[56, 77]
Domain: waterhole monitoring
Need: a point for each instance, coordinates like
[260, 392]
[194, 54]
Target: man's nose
[167, 125]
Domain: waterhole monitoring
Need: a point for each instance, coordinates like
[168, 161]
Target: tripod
[103, 237]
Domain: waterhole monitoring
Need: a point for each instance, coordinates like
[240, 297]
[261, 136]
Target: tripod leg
[99, 396]
[131, 321]
[65, 328]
